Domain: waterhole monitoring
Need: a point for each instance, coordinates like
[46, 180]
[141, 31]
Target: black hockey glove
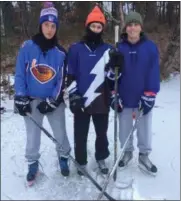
[76, 102]
[49, 105]
[22, 103]
[116, 60]
[147, 103]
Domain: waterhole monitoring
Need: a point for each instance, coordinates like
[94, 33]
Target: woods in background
[19, 21]
[21, 17]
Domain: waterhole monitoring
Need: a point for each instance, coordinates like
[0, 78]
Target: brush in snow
[146, 165]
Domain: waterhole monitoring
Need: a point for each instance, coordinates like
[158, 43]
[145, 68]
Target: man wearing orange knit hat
[89, 91]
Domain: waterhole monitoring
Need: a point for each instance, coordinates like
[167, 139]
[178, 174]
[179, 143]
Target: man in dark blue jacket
[137, 88]
[89, 92]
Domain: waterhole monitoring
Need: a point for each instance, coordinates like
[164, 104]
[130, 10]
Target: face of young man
[48, 29]
[133, 30]
[96, 27]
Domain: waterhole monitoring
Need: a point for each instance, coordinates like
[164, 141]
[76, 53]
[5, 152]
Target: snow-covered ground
[166, 155]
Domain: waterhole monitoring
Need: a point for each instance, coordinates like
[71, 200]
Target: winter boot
[64, 166]
[146, 165]
[79, 172]
[102, 167]
[128, 155]
[32, 171]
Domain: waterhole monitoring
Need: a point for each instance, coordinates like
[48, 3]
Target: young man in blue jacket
[39, 85]
[89, 91]
[137, 89]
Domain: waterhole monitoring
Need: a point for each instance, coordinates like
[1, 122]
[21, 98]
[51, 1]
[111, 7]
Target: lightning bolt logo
[99, 73]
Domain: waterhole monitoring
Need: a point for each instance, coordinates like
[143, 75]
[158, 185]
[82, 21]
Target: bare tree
[2, 22]
[140, 6]
[82, 10]
[24, 17]
[170, 10]
[151, 14]
[121, 17]
[7, 15]
[116, 9]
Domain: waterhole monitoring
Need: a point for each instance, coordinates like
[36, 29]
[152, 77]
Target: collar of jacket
[124, 38]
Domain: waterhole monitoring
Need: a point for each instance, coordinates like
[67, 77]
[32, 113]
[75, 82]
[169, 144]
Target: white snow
[166, 155]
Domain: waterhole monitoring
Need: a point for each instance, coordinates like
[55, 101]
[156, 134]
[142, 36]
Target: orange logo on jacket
[42, 72]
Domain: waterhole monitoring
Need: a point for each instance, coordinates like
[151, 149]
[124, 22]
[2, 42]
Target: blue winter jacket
[141, 71]
[38, 75]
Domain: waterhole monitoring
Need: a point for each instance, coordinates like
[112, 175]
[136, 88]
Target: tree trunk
[163, 10]
[150, 20]
[127, 6]
[170, 8]
[7, 15]
[140, 7]
[2, 23]
[34, 17]
[83, 8]
[116, 9]
[24, 16]
[121, 17]
[151, 13]
[59, 7]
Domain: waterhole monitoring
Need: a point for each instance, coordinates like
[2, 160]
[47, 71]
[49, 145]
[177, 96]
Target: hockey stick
[115, 105]
[115, 120]
[71, 158]
[107, 179]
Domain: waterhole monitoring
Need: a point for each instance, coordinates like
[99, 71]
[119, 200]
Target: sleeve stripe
[73, 87]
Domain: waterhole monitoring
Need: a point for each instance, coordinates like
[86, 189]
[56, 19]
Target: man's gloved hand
[116, 60]
[76, 102]
[119, 101]
[22, 103]
[147, 102]
[48, 105]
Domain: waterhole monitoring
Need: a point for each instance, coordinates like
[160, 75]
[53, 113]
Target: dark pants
[81, 129]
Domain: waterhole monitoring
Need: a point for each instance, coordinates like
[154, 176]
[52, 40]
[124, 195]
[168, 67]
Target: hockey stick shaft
[107, 179]
[115, 119]
[116, 32]
[71, 158]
